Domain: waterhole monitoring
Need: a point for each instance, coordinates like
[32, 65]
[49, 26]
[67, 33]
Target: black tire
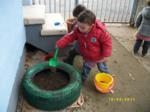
[51, 100]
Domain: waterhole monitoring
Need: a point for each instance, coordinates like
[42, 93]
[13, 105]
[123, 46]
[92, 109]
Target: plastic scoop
[53, 61]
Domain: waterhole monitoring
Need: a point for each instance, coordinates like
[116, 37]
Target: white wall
[12, 40]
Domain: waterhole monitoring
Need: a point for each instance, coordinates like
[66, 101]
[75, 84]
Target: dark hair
[87, 16]
[148, 2]
[78, 9]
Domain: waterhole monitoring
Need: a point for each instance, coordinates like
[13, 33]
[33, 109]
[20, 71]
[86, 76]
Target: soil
[48, 80]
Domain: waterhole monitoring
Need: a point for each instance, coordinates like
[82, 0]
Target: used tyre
[47, 99]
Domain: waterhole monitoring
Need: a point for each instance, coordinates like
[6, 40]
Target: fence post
[76, 2]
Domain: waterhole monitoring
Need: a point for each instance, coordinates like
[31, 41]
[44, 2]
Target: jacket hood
[100, 25]
[146, 12]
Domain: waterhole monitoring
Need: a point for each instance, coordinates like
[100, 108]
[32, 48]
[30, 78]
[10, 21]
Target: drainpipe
[133, 13]
[138, 5]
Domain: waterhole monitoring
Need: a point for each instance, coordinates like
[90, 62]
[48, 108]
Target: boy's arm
[68, 38]
[138, 20]
[106, 43]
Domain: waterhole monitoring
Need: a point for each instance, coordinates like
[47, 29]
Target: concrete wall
[12, 40]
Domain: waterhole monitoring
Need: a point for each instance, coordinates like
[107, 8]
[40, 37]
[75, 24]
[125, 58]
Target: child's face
[84, 28]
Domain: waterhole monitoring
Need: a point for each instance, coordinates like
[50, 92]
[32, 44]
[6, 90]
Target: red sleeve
[68, 38]
[106, 44]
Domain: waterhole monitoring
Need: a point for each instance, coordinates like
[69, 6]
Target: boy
[143, 34]
[71, 24]
[94, 42]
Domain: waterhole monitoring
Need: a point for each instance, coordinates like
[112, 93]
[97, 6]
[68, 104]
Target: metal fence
[109, 11]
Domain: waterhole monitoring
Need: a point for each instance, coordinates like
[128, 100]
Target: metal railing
[109, 11]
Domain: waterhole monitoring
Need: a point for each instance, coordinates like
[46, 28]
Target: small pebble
[115, 61]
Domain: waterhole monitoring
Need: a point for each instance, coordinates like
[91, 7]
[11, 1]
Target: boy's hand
[56, 46]
[58, 43]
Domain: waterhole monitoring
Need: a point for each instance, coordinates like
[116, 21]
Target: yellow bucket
[103, 82]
